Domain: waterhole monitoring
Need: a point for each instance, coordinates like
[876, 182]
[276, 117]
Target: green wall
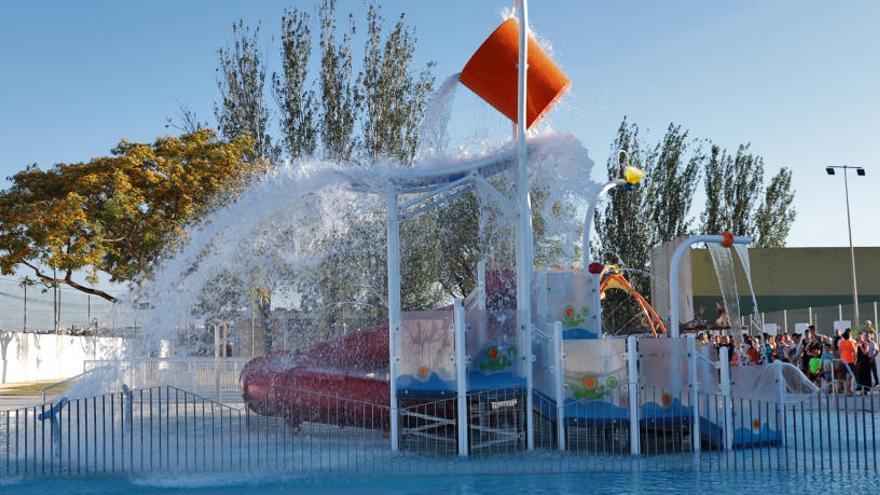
[787, 278]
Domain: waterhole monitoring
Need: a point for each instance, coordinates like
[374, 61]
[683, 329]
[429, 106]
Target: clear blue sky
[799, 79]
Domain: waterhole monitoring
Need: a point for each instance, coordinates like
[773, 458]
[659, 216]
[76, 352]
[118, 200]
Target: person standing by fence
[863, 364]
[847, 349]
[871, 335]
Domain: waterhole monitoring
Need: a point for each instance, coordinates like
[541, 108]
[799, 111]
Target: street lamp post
[852, 253]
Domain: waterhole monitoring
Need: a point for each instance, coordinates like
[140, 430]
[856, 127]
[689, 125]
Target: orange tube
[491, 73]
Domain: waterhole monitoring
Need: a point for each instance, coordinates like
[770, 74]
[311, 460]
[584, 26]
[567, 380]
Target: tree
[622, 233]
[733, 186]
[296, 104]
[743, 179]
[673, 181]
[776, 214]
[394, 96]
[714, 214]
[387, 100]
[117, 214]
[340, 99]
[241, 81]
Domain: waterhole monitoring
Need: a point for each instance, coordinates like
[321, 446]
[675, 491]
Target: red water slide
[342, 380]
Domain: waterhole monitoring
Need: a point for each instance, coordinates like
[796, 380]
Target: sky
[799, 79]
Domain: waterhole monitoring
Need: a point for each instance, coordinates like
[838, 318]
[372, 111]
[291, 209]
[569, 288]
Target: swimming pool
[644, 482]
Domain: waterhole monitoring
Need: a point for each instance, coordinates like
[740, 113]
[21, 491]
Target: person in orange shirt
[752, 351]
[847, 349]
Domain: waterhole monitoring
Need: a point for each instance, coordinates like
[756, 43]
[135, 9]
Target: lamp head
[829, 170]
[860, 172]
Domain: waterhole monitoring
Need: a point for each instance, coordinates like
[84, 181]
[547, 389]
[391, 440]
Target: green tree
[734, 185]
[674, 171]
[117, 214]
[622, 234]
[297, 104]
[394, 96]
[713, 217]
[776, 214]
[241, 80]
[340, 100]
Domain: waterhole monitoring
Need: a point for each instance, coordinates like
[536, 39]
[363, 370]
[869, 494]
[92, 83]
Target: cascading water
[742, 252]
[722, 260]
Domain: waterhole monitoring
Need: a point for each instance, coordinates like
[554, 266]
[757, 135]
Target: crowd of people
[844, 362]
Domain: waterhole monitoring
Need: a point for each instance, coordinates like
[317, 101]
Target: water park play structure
[520, 364]
[523, 358]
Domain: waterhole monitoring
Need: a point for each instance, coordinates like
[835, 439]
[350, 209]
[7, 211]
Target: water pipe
[460, 327]
[694, 389]
[394, 318]
[622, 159]
[726, 239]
[559, 383]
[524, 262]
[633, 389]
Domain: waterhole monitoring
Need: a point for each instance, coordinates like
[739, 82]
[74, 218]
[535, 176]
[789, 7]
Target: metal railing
[696, 423]
[166, 429]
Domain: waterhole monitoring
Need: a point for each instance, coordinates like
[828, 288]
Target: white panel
[571, 299]
[663, 363]
[427, 350]
[595, 370]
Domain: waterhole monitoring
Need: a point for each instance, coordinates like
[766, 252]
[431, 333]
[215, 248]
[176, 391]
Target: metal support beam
[394, 317]
[724, 373]
[559, 378]
[460, 328]
[694, 386]
[524, 263]
[632, 372]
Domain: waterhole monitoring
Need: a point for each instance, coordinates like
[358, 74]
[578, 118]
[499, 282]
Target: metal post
[677, 256]
[810, 313]
[25, 308]
[459, 327]
[840, 311]
[559, 378]
[524, 263]
[393, 246]
[632, 371]
[126, 392]
[542, 293]
[785, 320]
[875, 314]
[481, 284]
[596, 295]
[724, 368]
[693, 384]
[852, 254]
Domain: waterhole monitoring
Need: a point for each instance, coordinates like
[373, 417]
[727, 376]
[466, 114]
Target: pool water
[645, 482]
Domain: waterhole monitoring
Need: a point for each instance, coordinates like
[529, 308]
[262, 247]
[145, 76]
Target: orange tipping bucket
[491, 73]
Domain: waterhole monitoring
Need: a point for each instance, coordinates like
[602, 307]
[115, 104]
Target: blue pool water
[663, 482]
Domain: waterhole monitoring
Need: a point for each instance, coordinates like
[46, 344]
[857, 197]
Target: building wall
[27, 357]
[787, 278]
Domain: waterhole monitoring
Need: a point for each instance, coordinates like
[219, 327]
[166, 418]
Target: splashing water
[276, 235]
[742, 252]
[722, 260]
[433, 130]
